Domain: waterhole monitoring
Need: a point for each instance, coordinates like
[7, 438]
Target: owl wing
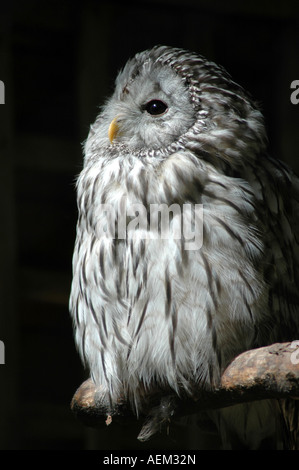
[277, 202]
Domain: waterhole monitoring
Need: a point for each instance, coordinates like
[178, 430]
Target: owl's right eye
[155, 107]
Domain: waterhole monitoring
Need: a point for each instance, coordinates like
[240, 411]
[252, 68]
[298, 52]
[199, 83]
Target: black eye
[155, 107]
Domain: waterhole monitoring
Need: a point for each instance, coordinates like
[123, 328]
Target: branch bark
[258, 374]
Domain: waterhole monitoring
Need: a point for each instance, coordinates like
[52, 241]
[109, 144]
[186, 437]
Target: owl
[187, 250]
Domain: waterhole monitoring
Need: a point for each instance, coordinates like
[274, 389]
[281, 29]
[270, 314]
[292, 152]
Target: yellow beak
[113, 129]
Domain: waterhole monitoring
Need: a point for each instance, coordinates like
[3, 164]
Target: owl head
[168, 99]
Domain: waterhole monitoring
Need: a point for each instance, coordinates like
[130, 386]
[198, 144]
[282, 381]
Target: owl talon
[158, 419]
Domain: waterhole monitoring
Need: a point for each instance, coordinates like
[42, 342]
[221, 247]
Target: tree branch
[258, 374]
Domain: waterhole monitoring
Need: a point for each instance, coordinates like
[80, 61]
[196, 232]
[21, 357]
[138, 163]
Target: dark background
[58, 60]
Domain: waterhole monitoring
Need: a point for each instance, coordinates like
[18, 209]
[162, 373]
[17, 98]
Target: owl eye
[155, 107]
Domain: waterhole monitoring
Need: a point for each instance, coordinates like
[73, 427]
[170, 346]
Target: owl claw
[158, 419]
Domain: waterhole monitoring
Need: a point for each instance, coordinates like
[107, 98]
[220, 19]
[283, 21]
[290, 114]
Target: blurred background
[58, 61]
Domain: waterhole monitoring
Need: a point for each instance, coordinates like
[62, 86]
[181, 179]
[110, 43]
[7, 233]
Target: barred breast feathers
[130, 322]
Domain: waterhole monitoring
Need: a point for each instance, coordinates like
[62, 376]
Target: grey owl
[152, 312]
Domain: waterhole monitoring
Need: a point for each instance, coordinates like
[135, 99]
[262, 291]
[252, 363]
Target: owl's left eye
[155, 107]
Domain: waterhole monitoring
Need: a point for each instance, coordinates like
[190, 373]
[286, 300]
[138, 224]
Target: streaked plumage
[148, 312]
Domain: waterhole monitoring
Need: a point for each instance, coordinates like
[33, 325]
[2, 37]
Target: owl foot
[158, 418]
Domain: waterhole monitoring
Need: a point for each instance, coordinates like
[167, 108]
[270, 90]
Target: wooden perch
[263, 373]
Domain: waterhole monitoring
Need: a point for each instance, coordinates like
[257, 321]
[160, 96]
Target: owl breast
[162, 308]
